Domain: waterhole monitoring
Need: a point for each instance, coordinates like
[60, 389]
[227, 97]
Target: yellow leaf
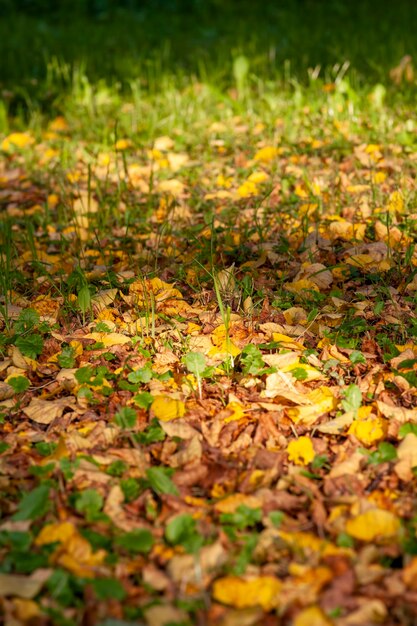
[58, 125]
[301, 451]
[298, 286]
[368, 431]
[310, 544]
[18, 140]
[60, 532]
[266, 154]
[237, 412]
[258, 177]
[77, 556]
[378, 177]
[374, 524]
[123, 144]
[47, 307]
[227, 347]
[25, 610]
[109, 339]
[309, 372]
[312, 616]
[396, 202]
[347, 230]
[222, 181]
[156, 294]
[52, 200]
[263, 591]
[301, 191]
[233, 502]
[286, 341]
[166, 409]
[247, 189]
[322, 401]
[361, 188]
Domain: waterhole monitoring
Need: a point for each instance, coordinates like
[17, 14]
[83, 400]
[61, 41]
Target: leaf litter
[208, 375]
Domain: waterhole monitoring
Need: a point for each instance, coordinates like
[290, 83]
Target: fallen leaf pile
[209, 372]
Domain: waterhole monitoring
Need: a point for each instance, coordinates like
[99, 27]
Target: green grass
[51, 48]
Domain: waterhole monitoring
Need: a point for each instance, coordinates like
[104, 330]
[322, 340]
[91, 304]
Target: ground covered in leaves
[209, 362]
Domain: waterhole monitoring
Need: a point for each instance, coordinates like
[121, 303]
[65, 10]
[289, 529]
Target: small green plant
[182, 530]
[352, 400]
[195, 362]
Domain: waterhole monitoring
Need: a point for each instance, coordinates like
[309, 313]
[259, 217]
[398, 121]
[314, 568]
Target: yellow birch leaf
[374, 524]
[166, 409]
[58, 125]
[78, 557]
[18, 140]
[396, 202]
[266, 154]
[322, 401]
[227, 347]
[109, 339]
[368, 431]
[25, 610]
[301, 451]
[287, 342]
[306, 372]
[237, 412]
[60, 532]
[258, 177]
[300, 285]
[123, 144]
[247, 189]
[233, 502]
[263, 591]
[312, 616]
[310, 544]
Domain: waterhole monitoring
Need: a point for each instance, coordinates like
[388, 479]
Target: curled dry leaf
[46, 411]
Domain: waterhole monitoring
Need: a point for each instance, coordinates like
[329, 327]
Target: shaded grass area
[44, 45]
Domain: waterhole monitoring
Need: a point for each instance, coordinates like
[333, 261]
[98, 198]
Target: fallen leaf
[23, 586]
[368, 431]
[407, 457]
[301, 451]
[322, 401]
[165, 408]
[374, 525]
[46, 411]
[243, 593]
[233, 502]
[109, 339]
[312, 616]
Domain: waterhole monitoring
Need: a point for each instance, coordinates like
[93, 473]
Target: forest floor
[209, 357]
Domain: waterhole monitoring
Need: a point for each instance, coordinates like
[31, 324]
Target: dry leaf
[46, 411]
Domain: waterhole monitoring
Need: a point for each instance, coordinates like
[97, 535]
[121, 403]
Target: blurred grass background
[42, 42]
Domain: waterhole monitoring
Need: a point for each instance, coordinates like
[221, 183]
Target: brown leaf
[46, 411]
